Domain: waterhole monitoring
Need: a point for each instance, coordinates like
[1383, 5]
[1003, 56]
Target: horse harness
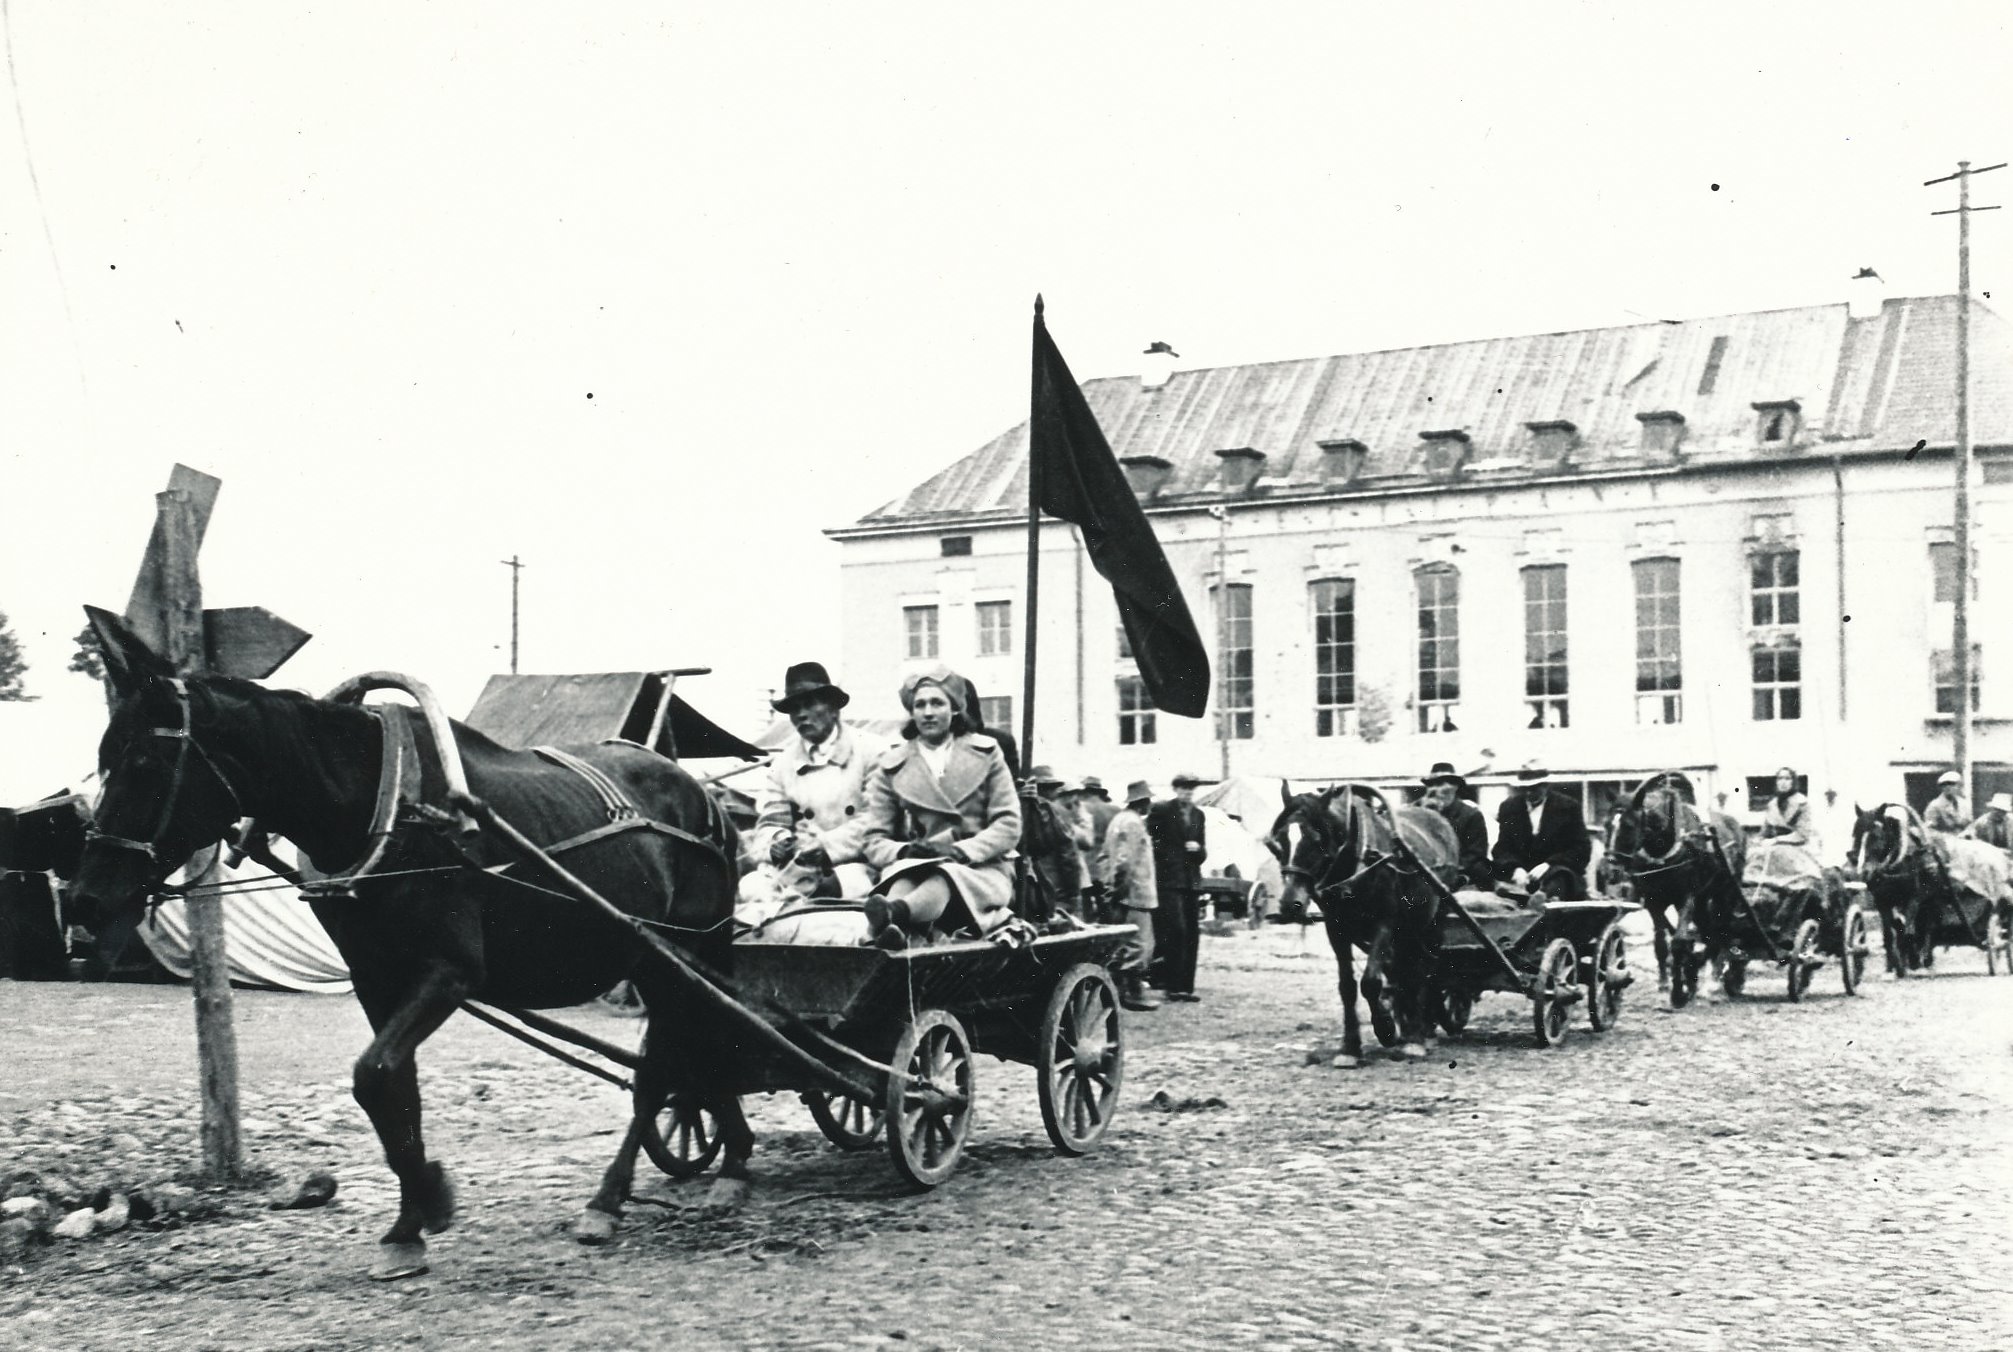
[185, 741]
[1327, 883]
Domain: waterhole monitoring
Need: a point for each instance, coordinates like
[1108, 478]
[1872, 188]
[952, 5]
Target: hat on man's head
[1532, 775]
[1042, 774]
[2001, 802]
[1443, 773]
[1092, 784]
[1949, 777]
[1185, 780]
[805, 681]
[1139, 791]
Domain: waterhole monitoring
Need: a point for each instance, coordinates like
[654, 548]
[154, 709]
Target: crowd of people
[932, 834]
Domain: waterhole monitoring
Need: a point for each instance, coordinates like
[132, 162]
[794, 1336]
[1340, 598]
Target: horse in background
[1349, 852]
[1684, 867]
[1891, 855]
[427, 918]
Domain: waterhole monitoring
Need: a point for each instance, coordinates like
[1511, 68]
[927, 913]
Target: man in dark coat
[1541, 839]
[1471, 829]
[1179, 847]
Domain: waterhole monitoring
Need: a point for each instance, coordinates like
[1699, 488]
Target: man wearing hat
[808, 810]
[1995, 827]
[1471, 829]
[1126, 870]
[1541, 839]
[1179, 846]
[1947, 811]
[1098, 810]
[1049, 840]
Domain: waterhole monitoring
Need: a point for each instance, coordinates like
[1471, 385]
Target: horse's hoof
[396, 1260]
[594, 1227]
[1344, 1061]
[1412, 1051]
[436, 1208]
[724, 1195]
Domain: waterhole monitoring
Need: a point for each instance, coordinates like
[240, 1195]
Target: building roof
[1882, 382]
[524, 711]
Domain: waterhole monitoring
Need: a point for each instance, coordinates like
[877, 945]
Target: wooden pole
[1960, 637]
[1027, 759]
[216, 1039]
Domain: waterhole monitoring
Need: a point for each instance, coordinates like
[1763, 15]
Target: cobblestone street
[1740, 1174]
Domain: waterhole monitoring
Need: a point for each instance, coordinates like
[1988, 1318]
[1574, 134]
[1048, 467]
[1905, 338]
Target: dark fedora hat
[1443, 773]
[803, 681]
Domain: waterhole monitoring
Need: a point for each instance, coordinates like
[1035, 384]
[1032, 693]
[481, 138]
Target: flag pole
[1033, 551]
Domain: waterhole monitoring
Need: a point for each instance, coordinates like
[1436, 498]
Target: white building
[1722, 545]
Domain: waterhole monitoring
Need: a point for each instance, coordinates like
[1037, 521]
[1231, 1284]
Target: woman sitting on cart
[942, 816]
[1786, 819]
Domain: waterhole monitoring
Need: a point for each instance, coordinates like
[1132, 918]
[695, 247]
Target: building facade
[1721, 545]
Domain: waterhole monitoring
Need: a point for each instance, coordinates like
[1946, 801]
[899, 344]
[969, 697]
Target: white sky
[366, 263]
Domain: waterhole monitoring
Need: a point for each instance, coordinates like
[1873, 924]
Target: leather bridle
[1326, 882]
[185, 741]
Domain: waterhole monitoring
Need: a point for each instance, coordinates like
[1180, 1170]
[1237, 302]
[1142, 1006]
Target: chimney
[1158, 366]
[1864, 294]
[1342, 460]
[1239, 468]
[1147, 474]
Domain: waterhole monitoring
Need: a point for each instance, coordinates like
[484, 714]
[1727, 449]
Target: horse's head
[162, 796]
[1879, 837]
[1309, 837]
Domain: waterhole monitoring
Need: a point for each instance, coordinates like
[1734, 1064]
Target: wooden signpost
[166, 610]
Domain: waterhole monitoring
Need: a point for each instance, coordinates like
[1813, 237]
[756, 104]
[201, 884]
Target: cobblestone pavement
[1739, 1174]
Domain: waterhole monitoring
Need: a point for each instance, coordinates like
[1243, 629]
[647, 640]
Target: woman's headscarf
[941, 676]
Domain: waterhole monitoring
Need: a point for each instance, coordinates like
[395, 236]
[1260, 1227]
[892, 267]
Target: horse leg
[597, 1221]
[385, 1082]
[1351, 1055]
[1660, 927]
[729, 1188]
[1378, 988]
[1412, 979]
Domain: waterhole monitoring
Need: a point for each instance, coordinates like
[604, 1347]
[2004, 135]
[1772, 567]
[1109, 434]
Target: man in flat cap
[1180, 845]
[1947, 811]
[1541, 839]
[1471, 829]
[1126, 870]
[808, 809]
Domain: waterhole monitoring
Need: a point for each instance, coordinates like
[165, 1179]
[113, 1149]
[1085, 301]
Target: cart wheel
[1684, 977]
[1802, 959]
[1552, 998]
[682, 1137]
[1852, 952]
[1384, 1018]
[847, 1123]
[1733, 981]
[1608, 978]
[1082, 1058]
[1452, 1009]
[930, 1097]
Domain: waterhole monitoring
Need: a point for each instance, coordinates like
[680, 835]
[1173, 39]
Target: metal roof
[1875, 383]
[524, 711]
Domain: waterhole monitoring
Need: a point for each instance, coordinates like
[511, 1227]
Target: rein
[185, 741]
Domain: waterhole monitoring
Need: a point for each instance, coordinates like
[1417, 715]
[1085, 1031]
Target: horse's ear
[1285, 793]
[128, 659]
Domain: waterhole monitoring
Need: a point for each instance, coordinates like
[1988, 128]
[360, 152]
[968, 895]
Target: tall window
[1776, 598]
[1778, 683]
[1439, 649]
[1334, 657]
[1135, 712]
[1545, 645]
[1235, 717]
[921, 624]
[1775, 602]
[1659, 668]
[1943, 574]
[1943, 672]
[995, 627]
[996, 711]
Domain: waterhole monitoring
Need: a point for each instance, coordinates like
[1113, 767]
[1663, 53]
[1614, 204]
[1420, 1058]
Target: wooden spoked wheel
[1454, 1007]
[1081, 1064]
[929, 1097]
[1553, 995]
[847, 1123]
[1733, 980]
[1802, 958]
[682, 1137]
[1608, 976]
[1853, 949]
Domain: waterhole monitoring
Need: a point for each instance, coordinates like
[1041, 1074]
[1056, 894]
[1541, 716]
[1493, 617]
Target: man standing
[1995, 827]
[1126, 869]
[808, 812]
[1541, 839]
[1048, 838]
[1947, 811]
[1179, 847]
[1471, 829]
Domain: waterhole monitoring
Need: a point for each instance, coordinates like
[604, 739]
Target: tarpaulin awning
[522, 711]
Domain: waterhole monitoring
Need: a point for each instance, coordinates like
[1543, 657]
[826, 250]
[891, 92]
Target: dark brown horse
[434, 920]
[1684, 867]
[1342, 848]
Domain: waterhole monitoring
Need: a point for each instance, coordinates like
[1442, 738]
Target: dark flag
[1076, 477]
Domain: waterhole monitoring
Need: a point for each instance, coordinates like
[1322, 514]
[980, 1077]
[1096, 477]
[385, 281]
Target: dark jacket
[1561, 837]
[1172, 823]
[1471, 829]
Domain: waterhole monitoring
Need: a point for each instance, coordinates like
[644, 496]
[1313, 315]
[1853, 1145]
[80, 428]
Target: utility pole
[1222, 515]
[1960, 626]
[516, 566]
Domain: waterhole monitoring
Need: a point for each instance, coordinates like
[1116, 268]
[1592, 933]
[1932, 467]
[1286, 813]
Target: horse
[1914, 875]
[1684, 866]
[1349, 852]
[424, 915]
